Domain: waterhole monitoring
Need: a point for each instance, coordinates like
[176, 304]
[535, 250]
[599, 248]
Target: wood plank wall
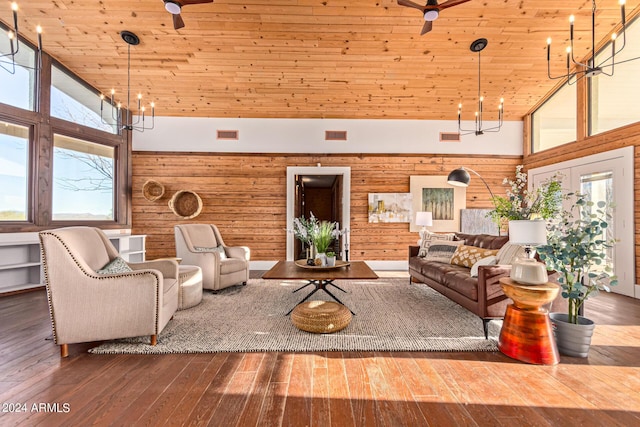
[245, 196]
[618, 138]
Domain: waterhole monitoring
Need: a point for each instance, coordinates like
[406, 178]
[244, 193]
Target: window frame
[71, 75]
[42, 128]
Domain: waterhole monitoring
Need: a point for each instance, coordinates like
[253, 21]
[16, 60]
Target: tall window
[18, 84]
[555, 122]
[14, 172]
[83, 180]
[73, 101]
[613, 100]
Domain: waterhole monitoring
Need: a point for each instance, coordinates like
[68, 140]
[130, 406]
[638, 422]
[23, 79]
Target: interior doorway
[325, 191]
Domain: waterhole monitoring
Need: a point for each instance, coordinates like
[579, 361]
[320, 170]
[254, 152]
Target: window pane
[83, 180]
[614, 99]
[19, 84]
[73, 101]
[14, 170]
[555, 122]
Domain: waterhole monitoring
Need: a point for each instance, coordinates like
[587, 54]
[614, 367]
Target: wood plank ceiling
[317, 58]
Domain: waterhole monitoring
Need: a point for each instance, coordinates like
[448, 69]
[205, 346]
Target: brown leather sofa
[481, 295]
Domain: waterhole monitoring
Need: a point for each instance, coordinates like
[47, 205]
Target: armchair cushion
[218, 249]
[115, 266]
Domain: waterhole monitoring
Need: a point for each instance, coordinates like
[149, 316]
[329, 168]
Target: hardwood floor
[316, 389]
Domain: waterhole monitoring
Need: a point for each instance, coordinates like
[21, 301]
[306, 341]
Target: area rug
[391, 315]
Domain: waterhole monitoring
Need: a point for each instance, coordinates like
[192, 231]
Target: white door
[609, 177]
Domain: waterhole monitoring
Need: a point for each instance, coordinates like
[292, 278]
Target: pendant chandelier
[126, 121]
[8, 60]
[478, 46]
[590, 68]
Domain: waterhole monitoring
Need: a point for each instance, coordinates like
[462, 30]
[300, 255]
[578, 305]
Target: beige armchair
[202, 245]
[87, 306]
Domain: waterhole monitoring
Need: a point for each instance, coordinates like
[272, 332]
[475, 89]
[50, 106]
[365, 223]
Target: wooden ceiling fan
[431, 10]
[175, 6]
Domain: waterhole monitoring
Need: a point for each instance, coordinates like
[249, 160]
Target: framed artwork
[476, 221]
[444, 201]
[390, 207]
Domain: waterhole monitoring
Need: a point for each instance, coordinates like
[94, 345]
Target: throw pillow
[490, 260]
[117, 265]
[429, 237]
[509, 253]
[219, 249]
[466, 256]
[442, 250]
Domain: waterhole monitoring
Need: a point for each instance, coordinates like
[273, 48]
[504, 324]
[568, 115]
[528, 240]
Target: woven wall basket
[152, 190]
[186, 204]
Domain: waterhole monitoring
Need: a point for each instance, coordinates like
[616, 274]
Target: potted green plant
[323, 235]
[331, 259]
[578, 248]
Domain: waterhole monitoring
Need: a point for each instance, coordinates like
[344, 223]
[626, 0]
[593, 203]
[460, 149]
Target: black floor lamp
[460, 178]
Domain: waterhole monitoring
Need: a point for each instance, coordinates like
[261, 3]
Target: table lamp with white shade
[425, 219]
[528, 233]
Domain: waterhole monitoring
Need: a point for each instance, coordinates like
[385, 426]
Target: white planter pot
[331, 261]
[572, 339]
[322, 257]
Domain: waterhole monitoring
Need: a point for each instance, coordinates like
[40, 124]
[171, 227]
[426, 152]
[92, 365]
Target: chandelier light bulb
[548, 40]
[139, 96]
[482, 99]
[613, 36]
[38, 29]
[568, 50]
[14, 6]
[11, 35]
[113, 91]
[572, 19]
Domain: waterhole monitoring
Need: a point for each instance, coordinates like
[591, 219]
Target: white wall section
[193, 134]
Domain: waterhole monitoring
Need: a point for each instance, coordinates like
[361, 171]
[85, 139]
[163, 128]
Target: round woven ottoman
[320, 317]
[190, 282]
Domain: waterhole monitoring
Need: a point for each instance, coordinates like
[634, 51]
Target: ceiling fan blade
[177, 22]
[451, 3]
[186, 2]
[411, 4]
[428, 25]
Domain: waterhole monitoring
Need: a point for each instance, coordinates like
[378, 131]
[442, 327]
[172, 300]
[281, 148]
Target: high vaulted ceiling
[318, 58]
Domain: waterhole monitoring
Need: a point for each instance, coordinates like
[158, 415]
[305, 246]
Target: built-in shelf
[20, 264]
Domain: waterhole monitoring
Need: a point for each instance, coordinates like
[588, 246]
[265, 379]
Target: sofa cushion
[490, 260]
[460, 281]
[429, 238]
[485, 241]
[509, 253]
[442, 250]
[466, 255]
[437, 270]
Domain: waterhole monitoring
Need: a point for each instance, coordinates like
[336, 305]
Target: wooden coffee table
[320, 278]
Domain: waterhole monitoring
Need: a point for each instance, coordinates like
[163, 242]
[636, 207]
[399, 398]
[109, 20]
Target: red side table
[526, 333]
